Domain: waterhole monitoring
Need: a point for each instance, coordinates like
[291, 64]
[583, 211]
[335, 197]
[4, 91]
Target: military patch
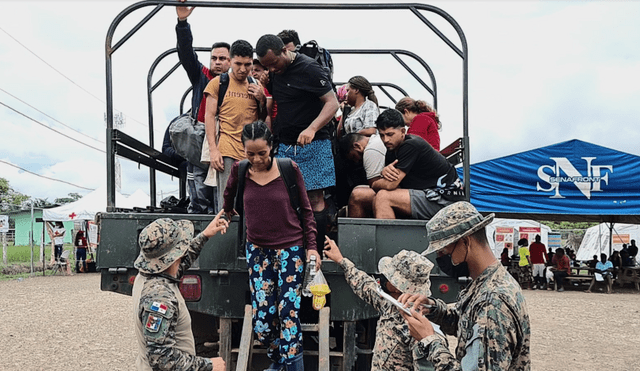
[158, 307]
[153, 323]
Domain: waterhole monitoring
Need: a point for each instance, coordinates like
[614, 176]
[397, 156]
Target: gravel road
[67, 323]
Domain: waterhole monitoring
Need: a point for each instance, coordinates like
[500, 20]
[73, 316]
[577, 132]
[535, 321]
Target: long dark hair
[259, 130]
[417, 106]
[362, 84]
[79, 236]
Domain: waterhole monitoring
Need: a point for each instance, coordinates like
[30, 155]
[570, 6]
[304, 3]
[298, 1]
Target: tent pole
[610, 239]
[31, 237]
[42, 246]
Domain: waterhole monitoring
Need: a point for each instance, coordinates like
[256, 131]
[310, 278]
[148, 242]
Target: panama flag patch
[158, 307]
[153, 323]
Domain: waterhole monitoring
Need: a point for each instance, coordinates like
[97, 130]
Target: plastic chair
[61, 263]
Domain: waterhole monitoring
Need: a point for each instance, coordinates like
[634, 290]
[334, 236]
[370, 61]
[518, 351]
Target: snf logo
[564, 172]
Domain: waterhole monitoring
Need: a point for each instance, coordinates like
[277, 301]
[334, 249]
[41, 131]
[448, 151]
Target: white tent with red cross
[94, 202]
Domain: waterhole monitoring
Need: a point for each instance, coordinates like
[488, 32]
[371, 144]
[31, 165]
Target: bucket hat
[452, 223]
[161, 243]
[408, 271]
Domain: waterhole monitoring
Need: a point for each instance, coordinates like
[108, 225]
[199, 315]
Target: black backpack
[312, 50]
[224, 85]
[288, 174]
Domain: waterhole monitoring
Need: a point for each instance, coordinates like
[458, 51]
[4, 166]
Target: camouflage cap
[161, 243]
[408, 271]
[452, 223]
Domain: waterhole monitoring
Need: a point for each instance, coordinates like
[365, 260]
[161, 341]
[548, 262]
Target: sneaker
[561, 289]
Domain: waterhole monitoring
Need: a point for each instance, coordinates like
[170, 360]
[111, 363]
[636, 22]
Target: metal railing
[111, 48]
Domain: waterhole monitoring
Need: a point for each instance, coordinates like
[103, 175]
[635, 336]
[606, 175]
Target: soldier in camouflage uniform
[490, 317]
[162, 320]
[406, 272]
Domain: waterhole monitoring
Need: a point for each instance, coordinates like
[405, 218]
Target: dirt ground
[64, 323]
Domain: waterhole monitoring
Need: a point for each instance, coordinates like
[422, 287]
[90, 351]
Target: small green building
[22, 221]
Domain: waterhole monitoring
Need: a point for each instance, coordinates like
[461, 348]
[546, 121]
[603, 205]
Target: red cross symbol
[72, 215]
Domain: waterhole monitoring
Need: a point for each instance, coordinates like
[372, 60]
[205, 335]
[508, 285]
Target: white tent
[94, 202]
[516, 224]
[137, 199]
[596, 239]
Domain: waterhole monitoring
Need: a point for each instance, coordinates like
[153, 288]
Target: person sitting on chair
[562, 269]
[603, 272]
[58, 239]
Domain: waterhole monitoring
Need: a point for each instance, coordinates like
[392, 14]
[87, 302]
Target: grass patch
[22, 253]
[19, 259]
[9, 277]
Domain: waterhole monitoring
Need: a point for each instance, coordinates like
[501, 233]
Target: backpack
[224, 84]
[288, 174]
[187, 135]
[312, 50]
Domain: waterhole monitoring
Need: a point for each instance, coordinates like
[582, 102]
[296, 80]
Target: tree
[65, 200]
[9, 198]
[41, 202]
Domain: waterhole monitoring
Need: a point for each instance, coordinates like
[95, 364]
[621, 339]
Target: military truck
[216, 288]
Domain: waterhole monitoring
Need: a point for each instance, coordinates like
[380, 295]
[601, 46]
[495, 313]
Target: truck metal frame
[218, 288]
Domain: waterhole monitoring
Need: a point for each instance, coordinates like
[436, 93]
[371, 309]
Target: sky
[540, 73]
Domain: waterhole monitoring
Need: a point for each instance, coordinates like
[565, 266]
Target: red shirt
[563, 264]
[424, 125]
[203, 103]
[537, 251]
[82, 244]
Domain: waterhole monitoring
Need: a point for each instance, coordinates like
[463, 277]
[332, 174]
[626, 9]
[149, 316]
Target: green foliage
[41, 202]
[9, 198]
[569, 225]
[65, 200]
[4, 186]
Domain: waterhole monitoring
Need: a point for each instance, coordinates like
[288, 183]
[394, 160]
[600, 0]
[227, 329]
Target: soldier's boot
[295, 364]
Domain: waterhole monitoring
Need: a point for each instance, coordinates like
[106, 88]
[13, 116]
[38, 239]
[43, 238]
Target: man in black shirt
[633, 249]
[417, 181]
[306, 103]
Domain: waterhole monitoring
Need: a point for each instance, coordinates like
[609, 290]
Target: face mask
[447, 267]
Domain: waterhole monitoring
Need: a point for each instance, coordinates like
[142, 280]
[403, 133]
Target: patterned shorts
[315, 161]
[524, 274]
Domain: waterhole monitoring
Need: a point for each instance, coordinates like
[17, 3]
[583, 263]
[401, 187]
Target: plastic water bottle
[308, 276]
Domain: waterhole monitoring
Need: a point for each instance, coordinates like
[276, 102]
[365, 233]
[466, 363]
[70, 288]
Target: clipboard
[393, 301]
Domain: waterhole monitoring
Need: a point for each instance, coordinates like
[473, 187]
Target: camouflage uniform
[393, 346]
[163, 323]
[492, 326]
[490, 317]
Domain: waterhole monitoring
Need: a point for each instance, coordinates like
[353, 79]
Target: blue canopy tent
[568, 181]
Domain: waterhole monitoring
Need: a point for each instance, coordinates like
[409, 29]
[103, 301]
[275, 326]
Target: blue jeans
[81, 255]
[201, 196]
[57, 251]
[275, 279]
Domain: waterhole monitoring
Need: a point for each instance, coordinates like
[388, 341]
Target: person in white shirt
[58, 239]
[370, 152]
[603, 272]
